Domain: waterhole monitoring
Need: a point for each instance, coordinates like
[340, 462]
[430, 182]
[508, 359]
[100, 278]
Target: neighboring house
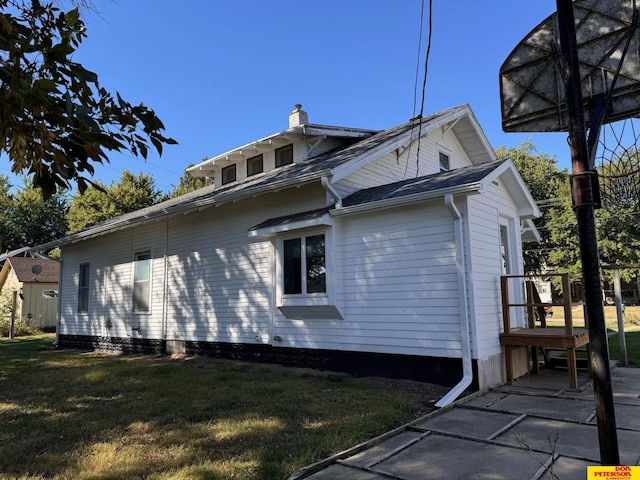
[376, 252]
[36, 282]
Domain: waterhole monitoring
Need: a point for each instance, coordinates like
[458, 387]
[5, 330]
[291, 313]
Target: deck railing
[543, 337]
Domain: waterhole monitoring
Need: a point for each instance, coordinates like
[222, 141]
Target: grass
[67, 414]
[631, 328]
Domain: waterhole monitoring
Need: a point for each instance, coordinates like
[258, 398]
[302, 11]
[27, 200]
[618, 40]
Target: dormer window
[444, 162]
[284, 156]
[255, 165]
[229, 174]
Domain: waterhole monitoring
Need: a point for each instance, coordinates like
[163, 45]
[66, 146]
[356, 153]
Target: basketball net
[618, 165]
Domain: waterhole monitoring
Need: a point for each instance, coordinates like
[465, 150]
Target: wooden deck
[567, 337]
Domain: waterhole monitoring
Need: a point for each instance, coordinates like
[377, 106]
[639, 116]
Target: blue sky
[224, 73]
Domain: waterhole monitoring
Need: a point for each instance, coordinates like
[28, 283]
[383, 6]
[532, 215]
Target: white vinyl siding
[399, 291]
[404, 164]
[486, 263]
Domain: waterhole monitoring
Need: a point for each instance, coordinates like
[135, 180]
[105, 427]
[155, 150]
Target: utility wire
[415, 85]
[424, 82]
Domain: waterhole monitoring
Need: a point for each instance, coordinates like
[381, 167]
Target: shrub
[20, 327]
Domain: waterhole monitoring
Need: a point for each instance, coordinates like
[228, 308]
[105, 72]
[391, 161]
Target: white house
[375, 252]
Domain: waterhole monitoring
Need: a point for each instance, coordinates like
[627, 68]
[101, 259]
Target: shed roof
[24, 268]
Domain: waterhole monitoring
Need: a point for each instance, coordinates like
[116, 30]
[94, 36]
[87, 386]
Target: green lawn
[66, 414]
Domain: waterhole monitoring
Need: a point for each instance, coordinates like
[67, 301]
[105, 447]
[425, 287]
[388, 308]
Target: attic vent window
[444, 162]
[229, 174]
[254, 165]
[284, 156]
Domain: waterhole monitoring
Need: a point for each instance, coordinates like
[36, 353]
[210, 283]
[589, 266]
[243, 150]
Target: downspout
[56, 342]
[326, 184]
[467, 370]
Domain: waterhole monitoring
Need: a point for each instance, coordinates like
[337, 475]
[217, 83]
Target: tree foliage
[618, 226]
[100, 203]
[189, 184]
[26, 219]
[56, 121]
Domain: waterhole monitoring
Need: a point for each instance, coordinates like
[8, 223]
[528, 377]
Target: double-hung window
[142, 282]
[304, 265]
[83, 288]
[443, 159]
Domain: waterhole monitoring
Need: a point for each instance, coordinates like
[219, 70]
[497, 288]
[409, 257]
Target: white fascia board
[481, 135]
[342, 132]
[373, 154]
[273, 140]
[529, 232]
[468, 189]
[527, 207]
[288, 227]
[210, 162]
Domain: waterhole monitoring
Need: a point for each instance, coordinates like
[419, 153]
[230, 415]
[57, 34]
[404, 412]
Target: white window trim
[78, 312]
[140, 251]
[305, 299]
[445, 151]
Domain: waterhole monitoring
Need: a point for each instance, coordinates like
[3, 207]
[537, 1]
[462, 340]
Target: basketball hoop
[618, 165]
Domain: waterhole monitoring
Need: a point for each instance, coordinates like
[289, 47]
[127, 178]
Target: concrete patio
[536, 428]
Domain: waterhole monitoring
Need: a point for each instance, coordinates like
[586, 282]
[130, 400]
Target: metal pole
[624, 358]
[13, 313]
[584, 202]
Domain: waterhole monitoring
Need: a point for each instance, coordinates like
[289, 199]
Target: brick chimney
[298, 117]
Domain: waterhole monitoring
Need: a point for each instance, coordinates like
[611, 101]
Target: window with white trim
[304, 265]
[142, 282]
[83, 287]
[444, 163]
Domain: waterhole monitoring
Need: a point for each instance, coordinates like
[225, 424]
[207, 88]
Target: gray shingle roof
[292, 175]
[429, 183]
[444, 181]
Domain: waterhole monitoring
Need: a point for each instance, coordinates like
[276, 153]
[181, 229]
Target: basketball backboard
[532, 92]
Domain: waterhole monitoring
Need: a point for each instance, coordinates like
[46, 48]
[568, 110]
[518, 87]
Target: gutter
[326, 184]
[467, 370]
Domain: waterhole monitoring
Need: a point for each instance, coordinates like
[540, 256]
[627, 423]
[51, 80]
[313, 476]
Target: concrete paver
[536, 428]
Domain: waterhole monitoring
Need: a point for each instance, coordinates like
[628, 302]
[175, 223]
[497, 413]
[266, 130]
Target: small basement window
[229, 174]
[284, 156]
[254, 165]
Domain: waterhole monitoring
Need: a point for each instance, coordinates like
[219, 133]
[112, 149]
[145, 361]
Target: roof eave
[467, 189]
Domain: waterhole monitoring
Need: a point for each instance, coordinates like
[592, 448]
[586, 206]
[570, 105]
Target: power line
[424, 81]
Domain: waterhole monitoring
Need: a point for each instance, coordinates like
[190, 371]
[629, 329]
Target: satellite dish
[532, 89]
[36, 269]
